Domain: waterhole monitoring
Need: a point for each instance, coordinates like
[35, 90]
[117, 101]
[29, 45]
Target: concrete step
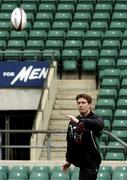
[56, 137]
[60, 114]
[77, 84]
[57, 126]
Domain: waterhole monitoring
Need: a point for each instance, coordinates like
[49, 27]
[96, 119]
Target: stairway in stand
[65, 104]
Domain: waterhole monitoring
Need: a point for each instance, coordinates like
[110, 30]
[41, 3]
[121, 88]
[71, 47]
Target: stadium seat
[41, 169]
[124, 83]
[16, 44]
[106, 63]
[13, 55]
[37, 34]
[88, 1]
[41, 25]
[59, 176]
[89, 66]
[94, 35]
[47, 7]
[79, 26]
[120, 114]
[32, 55]
[50, 54]
[8, 7]
[109, 53]
[54, 44]
[122, 103]
[29, 7]
[107, 94]
[39, 176]
[85, 7]
[20, 169]
[113, 35]
[5, 26]
[35, 44]
[99, 26]
[65, 7]
[30, 17]
[91, 54]
[81, 16]
[73, 44]
[120, 134]
[5, 16]
[122, 54]
[121, 64]
[106, 169]
[64, 17]
[118, 26]
[56, 35]
[122, 93]
[122, 169]
[99, 16]
[105, 113]
[105, 103]
[119, 124]
[18, 175]
[107, 125]
[3, 44]
[111, 73]
[48, 17]
[92, 44]
[74, 2]
[75, 35]
[111, 83]
[65, 26]
[19, 35]
[115, 156]
[115, 146]
[3, 175]
[119, 176]
[104, 7]
[119, 16]
[111, 44]
[4, 35]
[120, 7]
[4, 168]
[103, 176]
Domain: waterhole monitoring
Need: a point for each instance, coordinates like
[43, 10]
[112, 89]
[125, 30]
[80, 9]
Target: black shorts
[88, 174]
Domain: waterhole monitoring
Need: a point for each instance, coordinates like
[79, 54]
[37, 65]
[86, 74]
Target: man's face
[83, 106]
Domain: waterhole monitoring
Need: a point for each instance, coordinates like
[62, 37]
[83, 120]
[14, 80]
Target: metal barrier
[49, 145]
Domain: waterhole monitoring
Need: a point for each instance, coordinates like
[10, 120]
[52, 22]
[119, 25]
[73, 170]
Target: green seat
[37, 34]
[88, 1]
[16, 44]
[115, 146]
[110, 83]
[2, 45]
[21, 169]
[4, 168]
[73, 44]
[85, 7]
[80, 26]
[8, 7]
[59, 176]
[57, 168]
[35, 44]
[4, 35]
[113, 35]
[3, 176]
[119, 16]
[111, 44]
[44, 16]
[122, 54]
[41, 169]
[19, 35]
[74, 170]
[5, 26]
[121, 1]
[106, 169]
[54, 44]
[49, 1]
[119, 176]
[99, 26]
[120, 114]
[94, 35]
[103, 176]
[119, 124]
[30, 17]
[121, 64]
[51, 54]
[99, 16]
[66, 16]
[82, 16]
[124, 83]
[124, 73]
[74, 2]
[65, 26]
[107, 124]
[120, 7]
[39, 176]
[41, 25]
[89, 66]
[122, 93]
[32, 55]
[104, 138]
[70, 54]
[65, 7]
[122, 26]
[104, 7]
[5, 16]
[12, 54]
[109, 53]
[122, 169]
[105, 63]
[29, 7]
[105, 103]
[75, 35]
[91, 54]
[107, 1]
[125, 35]
[122, 134]
[20, 175]
[108, 94]
[92, 44]
[111, 73]
[122, 103]
[56, 35]
[124, 44]
[105, 113]
[47, 7]
[115, 156]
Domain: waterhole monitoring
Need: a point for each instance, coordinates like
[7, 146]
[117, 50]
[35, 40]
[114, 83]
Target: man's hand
[72, 118]
[65, 167]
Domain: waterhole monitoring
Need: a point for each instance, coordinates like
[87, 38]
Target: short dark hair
[85, 96]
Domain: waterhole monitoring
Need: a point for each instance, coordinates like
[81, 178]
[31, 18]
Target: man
[82, 135]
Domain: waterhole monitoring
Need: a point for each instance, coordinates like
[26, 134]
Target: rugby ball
[18, 19]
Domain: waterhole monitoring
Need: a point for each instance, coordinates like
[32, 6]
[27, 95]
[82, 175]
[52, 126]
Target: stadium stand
[86, 37]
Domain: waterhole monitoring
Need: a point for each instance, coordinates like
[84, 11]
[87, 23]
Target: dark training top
[83, 140]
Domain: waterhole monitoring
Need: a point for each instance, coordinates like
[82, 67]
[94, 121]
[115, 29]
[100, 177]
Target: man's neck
[85, 114]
